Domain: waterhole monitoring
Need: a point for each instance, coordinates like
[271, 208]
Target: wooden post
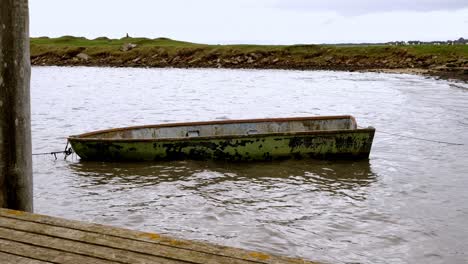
[15, 110]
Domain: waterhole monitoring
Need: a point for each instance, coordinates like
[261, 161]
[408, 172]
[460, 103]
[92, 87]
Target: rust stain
[15, 212]
[177, 242]
[258, 255]
[151, 236]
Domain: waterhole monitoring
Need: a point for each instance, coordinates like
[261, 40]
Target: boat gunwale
[224, 137]
[86, 136]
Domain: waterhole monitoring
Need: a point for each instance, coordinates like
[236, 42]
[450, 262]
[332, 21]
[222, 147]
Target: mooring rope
[67, 152]
[422, 139]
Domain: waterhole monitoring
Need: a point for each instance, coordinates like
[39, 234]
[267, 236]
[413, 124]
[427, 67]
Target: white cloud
[239, 21]
[359, 7]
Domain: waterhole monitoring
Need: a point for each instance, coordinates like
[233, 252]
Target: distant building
[396, 43]
[414, 42]
[461, 41]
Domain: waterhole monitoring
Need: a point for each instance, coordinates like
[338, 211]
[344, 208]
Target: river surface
[407, 204]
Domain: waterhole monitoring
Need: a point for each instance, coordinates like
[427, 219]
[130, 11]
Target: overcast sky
[254, 21]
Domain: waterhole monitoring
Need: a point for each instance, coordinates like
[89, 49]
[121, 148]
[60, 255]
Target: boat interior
[227, 127]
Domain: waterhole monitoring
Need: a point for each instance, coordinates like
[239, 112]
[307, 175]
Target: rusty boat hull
[326, 137]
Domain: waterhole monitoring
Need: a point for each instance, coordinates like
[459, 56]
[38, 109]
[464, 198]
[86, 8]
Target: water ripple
[406, 204]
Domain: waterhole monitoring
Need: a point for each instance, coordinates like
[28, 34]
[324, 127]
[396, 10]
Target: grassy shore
[443, 60]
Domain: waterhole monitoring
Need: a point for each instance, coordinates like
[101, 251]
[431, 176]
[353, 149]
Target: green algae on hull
[248, 140]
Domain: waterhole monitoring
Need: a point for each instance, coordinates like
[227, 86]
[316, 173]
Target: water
[407, 204]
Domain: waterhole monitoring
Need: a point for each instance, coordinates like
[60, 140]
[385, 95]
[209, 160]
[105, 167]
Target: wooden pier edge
[32, 238]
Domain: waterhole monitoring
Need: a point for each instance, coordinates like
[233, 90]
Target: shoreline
[443, 61]
[459, 75]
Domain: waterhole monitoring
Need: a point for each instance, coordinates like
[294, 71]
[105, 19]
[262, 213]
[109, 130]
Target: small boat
[324, 137]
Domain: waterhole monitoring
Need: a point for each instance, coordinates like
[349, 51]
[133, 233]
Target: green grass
[440, 50]
[296, 56]
[103, 41]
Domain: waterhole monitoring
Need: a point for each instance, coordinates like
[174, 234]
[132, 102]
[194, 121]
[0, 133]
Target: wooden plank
[6, 258]
[88, 250]
[133, 241]
[65, 235]
[46, 254]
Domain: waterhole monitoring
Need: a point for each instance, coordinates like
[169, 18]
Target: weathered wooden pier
[27, 238]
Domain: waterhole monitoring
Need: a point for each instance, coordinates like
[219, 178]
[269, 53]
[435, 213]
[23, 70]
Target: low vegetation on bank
[440, 60]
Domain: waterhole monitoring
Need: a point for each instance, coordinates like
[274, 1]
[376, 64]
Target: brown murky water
[407, 204]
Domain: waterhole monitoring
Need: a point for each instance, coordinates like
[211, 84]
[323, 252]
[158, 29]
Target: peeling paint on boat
[281, 138]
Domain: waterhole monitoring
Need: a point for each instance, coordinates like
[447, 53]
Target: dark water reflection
[407, 204]
[337, 178]
[247, 203]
